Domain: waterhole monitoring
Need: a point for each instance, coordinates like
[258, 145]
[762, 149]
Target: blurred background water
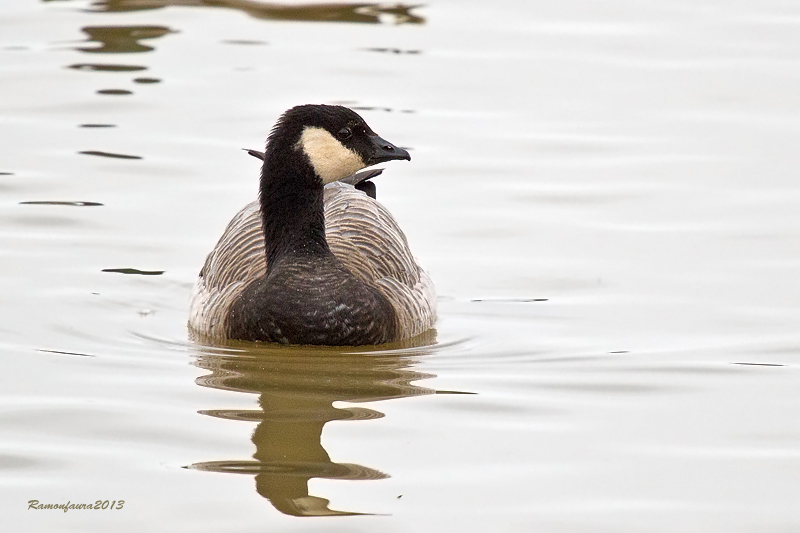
[606, 195]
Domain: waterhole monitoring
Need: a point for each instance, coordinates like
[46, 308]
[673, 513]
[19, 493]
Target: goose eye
[344, 133]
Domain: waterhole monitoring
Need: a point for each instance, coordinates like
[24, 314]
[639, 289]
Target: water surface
[606, 197]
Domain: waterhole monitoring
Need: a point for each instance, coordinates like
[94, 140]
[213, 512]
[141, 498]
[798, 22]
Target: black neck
[291, 205]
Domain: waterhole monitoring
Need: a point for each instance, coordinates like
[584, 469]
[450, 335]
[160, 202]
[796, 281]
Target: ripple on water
[112, 155]
[115, 92]
[245, 42]
[134, 271]
[350, 413]
[17, 462]
[59, 202]
[396, 51]
[97, 67]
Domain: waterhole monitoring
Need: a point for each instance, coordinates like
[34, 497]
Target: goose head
[334, 141]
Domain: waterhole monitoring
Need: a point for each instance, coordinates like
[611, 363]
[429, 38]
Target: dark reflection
[66, 353]
[109, 154]
[107, 68]
[62, 202]
[510, 300]
[297, 387]
[371, 108]
[134, 271]
[122, 39]
[115, 92]
[364, 13]
[146, 80]
[397, 51]
[355, 106]
[97, 126]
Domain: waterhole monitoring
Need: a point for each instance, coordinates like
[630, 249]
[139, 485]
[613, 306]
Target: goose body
[315, 260]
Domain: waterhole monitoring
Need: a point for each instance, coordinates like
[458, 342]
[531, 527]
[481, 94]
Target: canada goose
[315, 260]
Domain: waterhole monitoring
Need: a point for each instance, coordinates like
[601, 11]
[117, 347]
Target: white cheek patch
[331, 159]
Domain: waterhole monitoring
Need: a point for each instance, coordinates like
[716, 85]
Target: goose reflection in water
[297, 387]
[362, 12]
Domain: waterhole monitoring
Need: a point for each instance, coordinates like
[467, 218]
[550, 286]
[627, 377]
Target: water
[604, 193]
